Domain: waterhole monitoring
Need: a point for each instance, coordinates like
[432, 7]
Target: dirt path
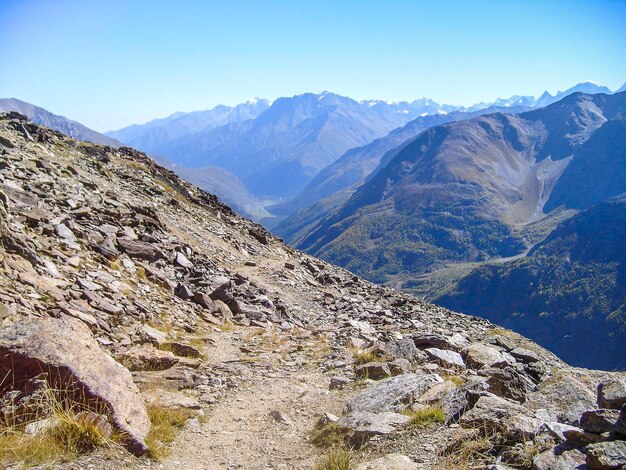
[238, 432]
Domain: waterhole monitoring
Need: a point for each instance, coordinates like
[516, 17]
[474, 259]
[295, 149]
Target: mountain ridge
[57, 122]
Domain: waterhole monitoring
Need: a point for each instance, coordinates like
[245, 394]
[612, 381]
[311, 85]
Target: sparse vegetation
[227, 326]
[337, 459]
[363, 357]
[499, 332]
[455, 379]
[426, 417]
[62, 434]
[165, 424]
[328, 435]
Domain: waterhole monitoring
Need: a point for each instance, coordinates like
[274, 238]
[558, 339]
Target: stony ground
[211, 313]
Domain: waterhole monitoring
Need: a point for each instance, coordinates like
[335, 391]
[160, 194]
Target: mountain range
[277, 149]
[489, 188]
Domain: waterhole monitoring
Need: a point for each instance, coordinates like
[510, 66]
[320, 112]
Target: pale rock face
[67, 349]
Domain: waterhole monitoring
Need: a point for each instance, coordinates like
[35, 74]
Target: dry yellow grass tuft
[336, 459]
[165, 424]
[426, 417]
[53, 433]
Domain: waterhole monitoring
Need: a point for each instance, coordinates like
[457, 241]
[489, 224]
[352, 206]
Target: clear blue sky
[110, 63]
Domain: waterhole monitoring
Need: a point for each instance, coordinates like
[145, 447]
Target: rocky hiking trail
[265, 423]
[145, 300]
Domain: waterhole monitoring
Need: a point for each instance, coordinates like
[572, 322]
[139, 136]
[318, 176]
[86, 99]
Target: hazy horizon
[109, 64]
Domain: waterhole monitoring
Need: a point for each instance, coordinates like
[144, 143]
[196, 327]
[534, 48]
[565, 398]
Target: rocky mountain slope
[335, 184]
[488, 187]
[110, 264]
[56, 122]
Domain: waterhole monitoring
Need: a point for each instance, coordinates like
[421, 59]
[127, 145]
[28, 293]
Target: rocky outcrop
[65, 349]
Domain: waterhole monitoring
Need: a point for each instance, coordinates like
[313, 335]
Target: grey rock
[508, 383]
[437, 392]
[566, 398]
[524, 355]
[433, 340]
[280, 417]
[65, 233]
[368, 424]
[337, 383]
[138, 249]
[373, 370]
[204, 301]
[521, 428]
[446, 358]
[392, 394]
[182, 261]
[580, 438]
[606, 455]
[491, 412]
[558, 430]
[612, 393]
[561, 457]
[183, 291]
[599, 421]
[479, 355]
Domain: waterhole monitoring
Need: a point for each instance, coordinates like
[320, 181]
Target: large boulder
[66, 350]
[607, 455]
[600, 421]
[366, 425]
[561, 457]
[491, 412]
[612, 393]
[565, 398]
[479, 355]
[445, 358]
[393, 394]
[138, 249]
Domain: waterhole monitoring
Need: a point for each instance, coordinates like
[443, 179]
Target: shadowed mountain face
[568, 294]
[458, 191]
[59, 123]
[154, 135]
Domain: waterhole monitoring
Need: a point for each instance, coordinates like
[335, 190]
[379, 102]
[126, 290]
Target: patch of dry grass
[426, 417]
[328, 436]
[165, 425]
[337, 459]
[62, 436]
[455, 379]
[363, 357]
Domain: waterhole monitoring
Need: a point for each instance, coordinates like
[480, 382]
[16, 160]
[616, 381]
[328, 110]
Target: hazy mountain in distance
[280, 151]
[226, 186]
[458, 191]
[152, 136]
[59, 123]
